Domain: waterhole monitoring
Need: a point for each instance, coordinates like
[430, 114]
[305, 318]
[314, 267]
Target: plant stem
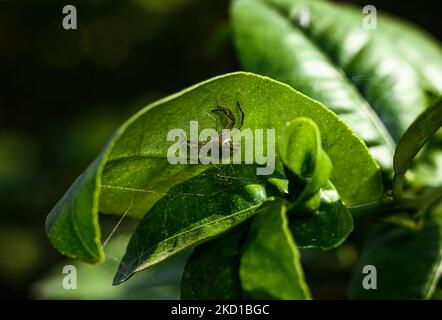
[398, 182]
[387, 206]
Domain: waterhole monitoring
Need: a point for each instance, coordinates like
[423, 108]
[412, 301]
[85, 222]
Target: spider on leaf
[223, 141]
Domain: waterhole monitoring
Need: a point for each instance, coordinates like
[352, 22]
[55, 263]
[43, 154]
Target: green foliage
[133, 172]
[246, 229]
[376, 80]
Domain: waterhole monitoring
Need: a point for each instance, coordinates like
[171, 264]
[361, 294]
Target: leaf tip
[120, 278]
[123, 274]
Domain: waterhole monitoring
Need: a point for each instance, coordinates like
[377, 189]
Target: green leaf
[329, 225]
[416, 136]
[408, 263]
[195, 211]
[132, 173]
[375, 80]
[301, 152]
[72, 225]
[270, 266]
[212, 271]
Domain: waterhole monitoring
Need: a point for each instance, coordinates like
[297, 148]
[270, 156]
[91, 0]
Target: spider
[232, 124]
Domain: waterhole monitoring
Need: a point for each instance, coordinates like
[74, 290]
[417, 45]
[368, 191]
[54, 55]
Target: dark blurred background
[63, 92]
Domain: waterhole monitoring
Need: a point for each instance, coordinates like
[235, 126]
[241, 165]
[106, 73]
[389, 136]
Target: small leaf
[416, 136]
[329, 225]
[270, 265]
[195, 211]
[212, 271]
[302, 154]
[408, 263]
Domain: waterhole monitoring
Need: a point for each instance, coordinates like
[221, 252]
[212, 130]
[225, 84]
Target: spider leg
[242, 114]
[229, 114]
[191, 143]
[199, 143]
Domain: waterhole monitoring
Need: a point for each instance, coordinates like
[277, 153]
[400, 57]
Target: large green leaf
[195, 211]
[408, 263]
[133, 173]
[363, 75]
[212, 271]
[270, 266]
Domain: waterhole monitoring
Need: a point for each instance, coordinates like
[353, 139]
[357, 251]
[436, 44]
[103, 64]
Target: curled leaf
[302, 154]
